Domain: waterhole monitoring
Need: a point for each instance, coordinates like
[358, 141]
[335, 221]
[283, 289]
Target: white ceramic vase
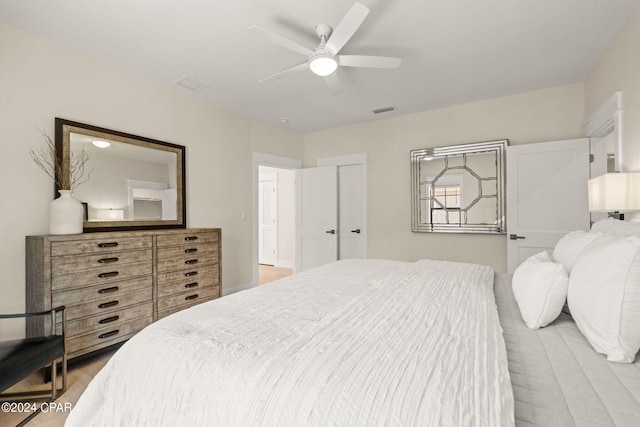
[65, 214]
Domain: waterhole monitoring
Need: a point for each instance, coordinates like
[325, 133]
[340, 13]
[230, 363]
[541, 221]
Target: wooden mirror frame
[63, 129]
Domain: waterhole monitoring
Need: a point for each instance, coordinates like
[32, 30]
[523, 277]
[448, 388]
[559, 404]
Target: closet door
[316, 217]
[350, 219]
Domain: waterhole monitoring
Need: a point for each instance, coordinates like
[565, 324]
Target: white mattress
[557, 377]
[352, 343]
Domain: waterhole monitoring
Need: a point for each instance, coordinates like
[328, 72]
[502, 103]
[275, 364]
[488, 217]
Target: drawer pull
[191, 250]
[109, 334]
[191, 238]
[191, 261]
[191, 273]
[108, 245]
[190, 297]
[107, 260]
[108, 304]
[108, 320]
[108, 290]
[191, 285]
[109, 274]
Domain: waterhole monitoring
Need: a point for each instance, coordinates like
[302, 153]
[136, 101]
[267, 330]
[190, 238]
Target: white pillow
[604, 296]
[617, 227]
[569, 247]
[540, 288]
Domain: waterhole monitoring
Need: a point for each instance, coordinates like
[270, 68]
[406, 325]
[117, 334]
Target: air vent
[192, 83]
[384, 110]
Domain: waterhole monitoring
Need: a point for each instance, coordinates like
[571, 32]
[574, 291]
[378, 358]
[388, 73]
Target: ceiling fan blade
[282, 41]
[291, 70]
[368, 61]
[333, 83]
[347, 27]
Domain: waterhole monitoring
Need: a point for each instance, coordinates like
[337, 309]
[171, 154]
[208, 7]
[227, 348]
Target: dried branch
[47, 159]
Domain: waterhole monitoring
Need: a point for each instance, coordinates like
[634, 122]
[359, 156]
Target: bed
[363, 343]
[351, 343]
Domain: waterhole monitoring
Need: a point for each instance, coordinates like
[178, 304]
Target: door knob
[330, 231]
[357, 230]
[515, 237]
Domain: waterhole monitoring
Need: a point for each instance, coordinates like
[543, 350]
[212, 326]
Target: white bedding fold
[352, 343]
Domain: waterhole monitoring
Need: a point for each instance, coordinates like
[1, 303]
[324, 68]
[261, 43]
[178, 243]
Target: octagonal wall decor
[459, 188]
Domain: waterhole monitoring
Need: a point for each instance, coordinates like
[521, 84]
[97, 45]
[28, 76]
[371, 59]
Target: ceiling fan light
[323, 65]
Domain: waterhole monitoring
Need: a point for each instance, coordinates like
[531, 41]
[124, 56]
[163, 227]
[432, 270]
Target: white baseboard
[284, 264]
[238, 288]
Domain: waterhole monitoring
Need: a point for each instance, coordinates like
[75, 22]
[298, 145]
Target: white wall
[539, 116]
[40, 80]
[619, 70]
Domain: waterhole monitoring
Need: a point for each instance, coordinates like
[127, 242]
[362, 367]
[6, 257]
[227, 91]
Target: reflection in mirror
[135, 182]
[459, 188]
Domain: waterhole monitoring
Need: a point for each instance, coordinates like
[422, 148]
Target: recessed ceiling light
[284, 121]
[101, 144]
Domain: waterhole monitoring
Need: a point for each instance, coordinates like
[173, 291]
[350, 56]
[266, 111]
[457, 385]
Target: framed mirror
[134, 182]
[459, 188]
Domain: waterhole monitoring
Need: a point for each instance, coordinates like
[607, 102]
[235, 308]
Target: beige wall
[539, 116]
[619, 70]
[40, 80]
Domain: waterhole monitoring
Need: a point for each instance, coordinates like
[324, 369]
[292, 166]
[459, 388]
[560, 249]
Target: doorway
[274, 254]
[275, 223]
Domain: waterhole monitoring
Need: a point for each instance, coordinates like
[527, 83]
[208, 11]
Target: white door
[350, 228]
[267, 219]
[316, 217]
[546, 195]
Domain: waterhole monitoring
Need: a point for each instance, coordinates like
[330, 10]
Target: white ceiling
[453, 51]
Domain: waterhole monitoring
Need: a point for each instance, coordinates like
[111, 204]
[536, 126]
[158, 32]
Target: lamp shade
[615, 192]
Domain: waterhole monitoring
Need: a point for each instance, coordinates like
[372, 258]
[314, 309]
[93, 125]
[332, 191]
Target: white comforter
[352, 343]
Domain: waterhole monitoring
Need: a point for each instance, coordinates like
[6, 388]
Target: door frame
[347, 160]
[263, 159]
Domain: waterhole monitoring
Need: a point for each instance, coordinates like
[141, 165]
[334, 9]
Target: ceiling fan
[324, 59]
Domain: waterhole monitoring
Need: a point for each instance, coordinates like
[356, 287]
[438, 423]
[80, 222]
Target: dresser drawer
[111, 260]
[190, 298]
[106, 304]
[107, 320]
[163, 240]
[190, 275]
[187, 251]
[177, 308]
[103, 245]
[191, 286]
[76, 296]
[101, 275]
[108, 335]
[186, 261]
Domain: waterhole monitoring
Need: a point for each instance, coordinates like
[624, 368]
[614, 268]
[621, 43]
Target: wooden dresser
[116, 283]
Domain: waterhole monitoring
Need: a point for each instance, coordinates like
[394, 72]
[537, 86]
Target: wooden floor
[78, 377]
[269, 273]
